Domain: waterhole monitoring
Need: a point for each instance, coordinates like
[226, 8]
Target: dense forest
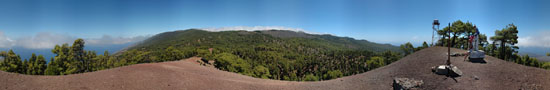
[273, 54]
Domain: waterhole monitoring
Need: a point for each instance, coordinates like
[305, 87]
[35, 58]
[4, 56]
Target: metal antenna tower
[436, 23]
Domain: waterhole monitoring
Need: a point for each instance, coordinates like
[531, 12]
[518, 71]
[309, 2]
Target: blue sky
[382, 21]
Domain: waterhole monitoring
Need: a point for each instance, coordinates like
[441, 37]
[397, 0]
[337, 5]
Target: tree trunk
[502, 49]
[493, 49]
[453, 40]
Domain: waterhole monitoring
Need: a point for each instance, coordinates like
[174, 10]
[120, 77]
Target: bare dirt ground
[188, 75]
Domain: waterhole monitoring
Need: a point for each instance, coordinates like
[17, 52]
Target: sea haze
[537, 52]
[26, 53]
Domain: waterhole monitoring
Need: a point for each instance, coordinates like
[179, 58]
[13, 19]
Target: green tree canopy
[311, 77]
[262, 72]
[232, 63]
[458, 28]
[507, 37]
[375, 62]
[546, 65]
[407, 48]
[459, 31]
[40, 65]
[332, 74]
[11, 62]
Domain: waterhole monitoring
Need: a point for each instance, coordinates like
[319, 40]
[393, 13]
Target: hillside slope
[187, 74]
[273, 54]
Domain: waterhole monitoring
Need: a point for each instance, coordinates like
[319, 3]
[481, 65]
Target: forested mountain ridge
[195, 35]
[275, 54]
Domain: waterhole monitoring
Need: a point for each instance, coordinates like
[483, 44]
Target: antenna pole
[449, 45]
[433, 27]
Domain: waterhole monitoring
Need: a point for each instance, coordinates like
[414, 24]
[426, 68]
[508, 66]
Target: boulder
[441, 69]
[406, 83]
[455, 72]
[450, 70]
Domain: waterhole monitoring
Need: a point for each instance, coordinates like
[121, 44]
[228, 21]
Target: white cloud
[45, 40]
[109, 40]
[542, 39]
[5, 42]
[257, 28]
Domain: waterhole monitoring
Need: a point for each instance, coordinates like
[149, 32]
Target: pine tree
[53, 68]
[77, 54]
[458, 30]
[407, 48]
[11, 63]
[31, 68]
[507, 36]
[40, 64]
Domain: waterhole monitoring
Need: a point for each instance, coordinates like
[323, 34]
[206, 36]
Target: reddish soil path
[187, 75]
